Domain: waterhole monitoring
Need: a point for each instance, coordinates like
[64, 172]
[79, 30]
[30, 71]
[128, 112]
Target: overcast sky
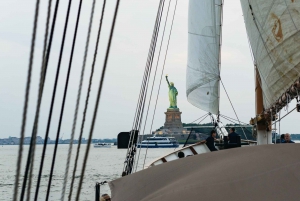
[126, 65]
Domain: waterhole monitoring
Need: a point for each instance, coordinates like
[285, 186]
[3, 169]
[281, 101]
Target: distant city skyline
[39, 140]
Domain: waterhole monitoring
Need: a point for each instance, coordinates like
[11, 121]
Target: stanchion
[97, 190]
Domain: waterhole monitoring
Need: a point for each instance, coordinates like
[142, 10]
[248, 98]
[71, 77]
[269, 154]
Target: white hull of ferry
[158, 145]
[159, 142]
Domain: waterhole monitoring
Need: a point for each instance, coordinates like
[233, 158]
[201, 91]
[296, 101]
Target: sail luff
[203, 68]
[219, 24]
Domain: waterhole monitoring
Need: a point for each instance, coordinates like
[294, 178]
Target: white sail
[273, 31]
[203, 67]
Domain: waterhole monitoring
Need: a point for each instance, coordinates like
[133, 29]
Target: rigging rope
[228, 119]
[35, 132]
[199, 118]
[54, 90]
[143, 91]
[76, 112]
[192, 130]
[161, 76]
[88, 90]
[44, 51]
[25, 107]
[41, 87]
[233, 108]
[285, 115]
[97, 101]
[65, 92]
[197, 123]
[143, 94]
[46, 31]
[287, 102]
[148, 68]
[145, 123]
[279, 125]
[275, 134]
[234, 119]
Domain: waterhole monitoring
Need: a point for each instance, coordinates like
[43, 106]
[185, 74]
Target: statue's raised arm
[167, 80]
[172, 94]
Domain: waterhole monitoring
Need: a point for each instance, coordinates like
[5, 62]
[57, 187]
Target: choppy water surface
[104, 164]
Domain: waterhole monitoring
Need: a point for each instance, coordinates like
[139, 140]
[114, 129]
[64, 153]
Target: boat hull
[158, 145]
[102, 146]
[249, 173]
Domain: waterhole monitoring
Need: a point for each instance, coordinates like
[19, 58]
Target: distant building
[27, 140]
[39, 140]
[14, 140]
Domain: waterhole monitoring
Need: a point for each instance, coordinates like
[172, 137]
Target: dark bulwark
[265, 172]
[124, 138]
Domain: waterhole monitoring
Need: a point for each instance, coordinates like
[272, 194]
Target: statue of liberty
[172, 94]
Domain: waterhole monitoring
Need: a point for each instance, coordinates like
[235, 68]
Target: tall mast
[264, 131]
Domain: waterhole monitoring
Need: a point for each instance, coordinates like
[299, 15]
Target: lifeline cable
[98, 99]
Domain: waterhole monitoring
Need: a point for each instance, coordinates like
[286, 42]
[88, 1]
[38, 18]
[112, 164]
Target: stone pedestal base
[173, 121]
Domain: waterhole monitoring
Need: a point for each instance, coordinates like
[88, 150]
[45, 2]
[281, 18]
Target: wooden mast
[264, 133]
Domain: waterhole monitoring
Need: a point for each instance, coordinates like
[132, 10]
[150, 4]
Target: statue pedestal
[173, 121]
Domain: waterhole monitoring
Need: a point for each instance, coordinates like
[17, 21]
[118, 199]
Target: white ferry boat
[159, 142]
[102, 145]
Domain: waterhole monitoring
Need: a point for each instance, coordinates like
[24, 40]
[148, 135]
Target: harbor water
[104, 164]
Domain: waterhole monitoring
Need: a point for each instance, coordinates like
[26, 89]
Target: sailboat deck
[191, 150]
